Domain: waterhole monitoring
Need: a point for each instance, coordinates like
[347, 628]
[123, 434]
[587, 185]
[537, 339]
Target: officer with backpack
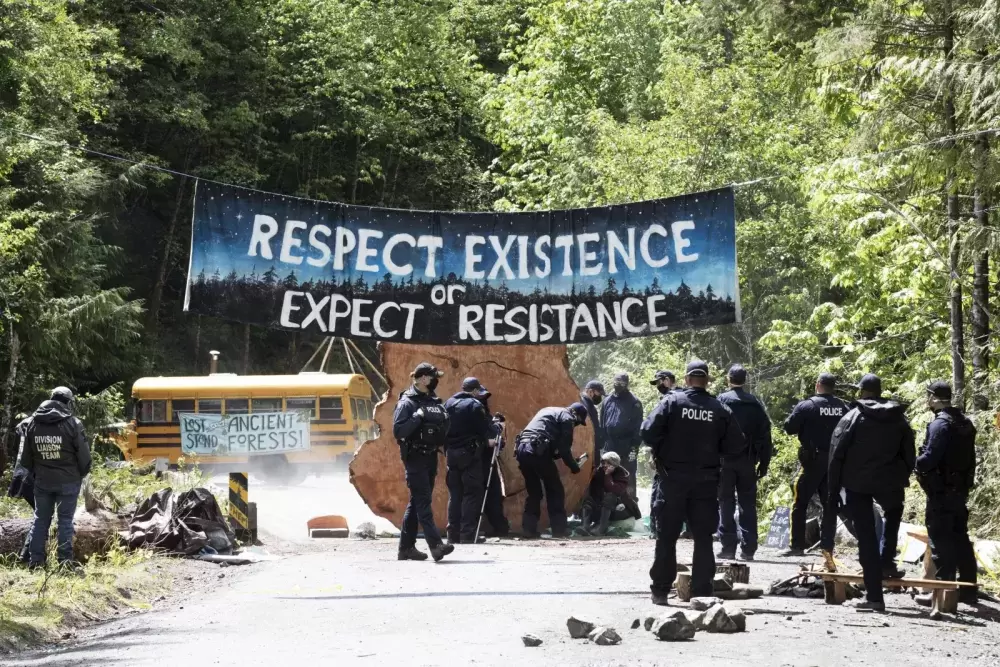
[946, 469]
[420, 426]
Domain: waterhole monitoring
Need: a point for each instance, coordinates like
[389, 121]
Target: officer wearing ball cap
[420, 425]
[665, 382]
[813, 421]
[690, 433]
[547, 437]
[946, 469]
[470, 431]
[872, 456]
[739, 476]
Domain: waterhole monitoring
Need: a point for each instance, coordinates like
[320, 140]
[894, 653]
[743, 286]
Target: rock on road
[353, 603]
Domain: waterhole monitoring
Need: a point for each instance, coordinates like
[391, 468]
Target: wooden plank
[891, 583]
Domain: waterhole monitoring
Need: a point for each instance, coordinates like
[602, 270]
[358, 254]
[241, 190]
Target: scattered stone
[717, 620]
[738, 616]
[604, 636]
[636, 623]
[674, 627]
[829, 632]
[704, 604]
[697, 618]
[531, 640]
[222, 575]
[721, 583]
[648, 623]
[366, 531]
[125, 593]
[788, 618]
[578, 629]
[741, 592]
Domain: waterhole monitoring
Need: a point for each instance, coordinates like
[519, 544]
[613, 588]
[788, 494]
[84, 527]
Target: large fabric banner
[252, 435]
[572, 276]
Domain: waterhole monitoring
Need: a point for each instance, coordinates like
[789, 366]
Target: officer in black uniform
[872, 456]
[946, 469]
[665, 382]
[420, 426]
[470, 431]
[740, 475]
[57, 454]
[547, 437]
[813, 421]
[493, 507]
[691, 433]
[591, 397]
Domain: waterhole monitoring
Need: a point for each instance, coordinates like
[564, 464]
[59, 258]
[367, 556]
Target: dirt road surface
[353, 603]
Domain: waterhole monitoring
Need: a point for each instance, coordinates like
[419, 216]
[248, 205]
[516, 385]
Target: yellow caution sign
[239, 505]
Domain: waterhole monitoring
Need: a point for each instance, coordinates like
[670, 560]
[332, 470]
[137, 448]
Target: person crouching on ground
[608, 489]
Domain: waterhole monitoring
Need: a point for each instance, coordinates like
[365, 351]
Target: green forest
[860, 136]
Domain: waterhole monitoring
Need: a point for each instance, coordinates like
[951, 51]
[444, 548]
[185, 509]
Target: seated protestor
[608, 489]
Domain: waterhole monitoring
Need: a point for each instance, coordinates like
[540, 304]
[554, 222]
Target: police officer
[665, 382]
[420, 426]
[871, 456]
[690, 432]
[813, 421]
[740, 475]
[946, 469]
[591, 397]
[547, 437]
[493, 507]
[57, 455]
[469, 433]
[621, 418]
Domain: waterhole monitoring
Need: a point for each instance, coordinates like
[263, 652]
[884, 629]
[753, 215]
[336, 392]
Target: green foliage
[837, 117]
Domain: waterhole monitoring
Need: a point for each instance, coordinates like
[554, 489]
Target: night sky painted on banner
[567, 276]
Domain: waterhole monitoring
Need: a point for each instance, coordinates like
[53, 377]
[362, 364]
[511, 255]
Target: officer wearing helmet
[420, 425]
[57, 455]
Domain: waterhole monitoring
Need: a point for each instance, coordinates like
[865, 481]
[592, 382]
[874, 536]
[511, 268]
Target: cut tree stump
[94, 533]
[521, 379]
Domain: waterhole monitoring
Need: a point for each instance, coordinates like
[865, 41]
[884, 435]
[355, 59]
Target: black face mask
[597, 399]
[621, 388]
[662, 388]
[432, 385]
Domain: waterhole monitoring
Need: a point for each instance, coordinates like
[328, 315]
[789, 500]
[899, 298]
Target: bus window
[237, 406]
[331, 408]
[179, 405]
[301, 404]
[152, 411]
[369, 409]
[210, 406]
[355, 414]
[266, 404]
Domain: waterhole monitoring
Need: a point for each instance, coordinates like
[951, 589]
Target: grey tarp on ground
[184, 524]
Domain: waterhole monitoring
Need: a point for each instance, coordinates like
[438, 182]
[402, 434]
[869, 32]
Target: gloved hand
[761, 471]
[420, 413]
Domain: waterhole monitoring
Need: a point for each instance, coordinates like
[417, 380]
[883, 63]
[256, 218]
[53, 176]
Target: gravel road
[351, 602]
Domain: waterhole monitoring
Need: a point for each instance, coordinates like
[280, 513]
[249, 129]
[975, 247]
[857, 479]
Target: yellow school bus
[339, 406]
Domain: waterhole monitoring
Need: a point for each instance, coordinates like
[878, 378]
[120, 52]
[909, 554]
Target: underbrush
[39, 606]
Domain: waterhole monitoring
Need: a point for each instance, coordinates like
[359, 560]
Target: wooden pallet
[944, 594]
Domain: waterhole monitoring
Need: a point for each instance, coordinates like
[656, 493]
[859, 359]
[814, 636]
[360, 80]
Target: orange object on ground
[331, 525]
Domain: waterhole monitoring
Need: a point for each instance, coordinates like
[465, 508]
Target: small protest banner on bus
[244, 435]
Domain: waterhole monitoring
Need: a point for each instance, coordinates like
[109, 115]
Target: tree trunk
[7, 420]
[955, 253]
[94, 533]
[980, 285]
[156, 297]
[246, 349]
